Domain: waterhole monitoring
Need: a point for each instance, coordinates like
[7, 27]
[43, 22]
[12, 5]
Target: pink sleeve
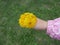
[53, 29]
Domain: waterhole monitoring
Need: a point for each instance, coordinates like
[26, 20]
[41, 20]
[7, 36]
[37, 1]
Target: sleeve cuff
[53, 28]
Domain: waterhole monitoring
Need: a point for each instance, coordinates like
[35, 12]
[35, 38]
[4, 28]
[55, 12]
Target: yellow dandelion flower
[27, 20]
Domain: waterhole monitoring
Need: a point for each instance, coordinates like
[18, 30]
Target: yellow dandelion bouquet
[27, 20]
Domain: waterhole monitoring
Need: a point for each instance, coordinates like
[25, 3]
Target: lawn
[10, 31]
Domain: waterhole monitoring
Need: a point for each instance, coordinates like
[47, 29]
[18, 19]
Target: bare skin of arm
[41, 24]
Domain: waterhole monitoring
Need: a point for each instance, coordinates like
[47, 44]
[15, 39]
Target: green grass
[10, 31]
